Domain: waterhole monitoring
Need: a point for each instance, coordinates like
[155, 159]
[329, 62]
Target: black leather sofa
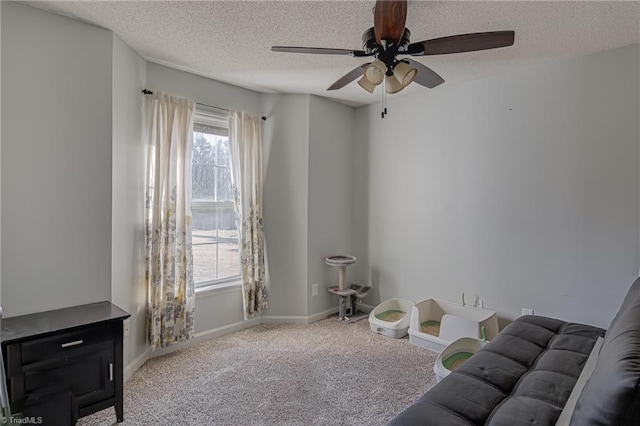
[526, 374]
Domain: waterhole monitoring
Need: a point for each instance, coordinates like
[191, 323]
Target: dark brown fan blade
[348, 77]
[318, 51]
[389, 18]
[462, 43]
[426, 76]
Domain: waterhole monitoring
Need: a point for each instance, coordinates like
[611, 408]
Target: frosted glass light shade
[366, 84]
[392, 84]
[404, 73]
[375, 72]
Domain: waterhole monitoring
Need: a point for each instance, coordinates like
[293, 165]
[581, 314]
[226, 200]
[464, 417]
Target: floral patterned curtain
[245, 140]
[168, 261]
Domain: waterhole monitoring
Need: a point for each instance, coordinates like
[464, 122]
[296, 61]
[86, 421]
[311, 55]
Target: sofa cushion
[611, 396]
[567, 411]
[523, 377]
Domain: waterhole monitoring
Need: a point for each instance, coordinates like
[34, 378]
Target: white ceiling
[230, 40]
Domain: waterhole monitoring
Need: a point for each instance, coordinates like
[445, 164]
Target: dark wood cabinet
[79, 346]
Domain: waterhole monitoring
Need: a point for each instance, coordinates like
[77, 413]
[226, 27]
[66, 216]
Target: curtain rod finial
[147, 92]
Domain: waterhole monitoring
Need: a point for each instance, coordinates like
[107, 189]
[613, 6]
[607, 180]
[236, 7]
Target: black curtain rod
[149, 92]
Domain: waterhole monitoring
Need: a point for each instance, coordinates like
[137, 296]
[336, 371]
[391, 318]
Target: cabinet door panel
[86, 373]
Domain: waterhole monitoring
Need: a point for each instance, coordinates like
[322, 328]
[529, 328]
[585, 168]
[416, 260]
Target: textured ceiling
[230, 40]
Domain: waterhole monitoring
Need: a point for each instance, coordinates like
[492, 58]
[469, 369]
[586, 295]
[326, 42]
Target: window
[216, 258]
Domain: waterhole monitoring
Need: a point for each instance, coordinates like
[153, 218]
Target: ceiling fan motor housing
[386, 53]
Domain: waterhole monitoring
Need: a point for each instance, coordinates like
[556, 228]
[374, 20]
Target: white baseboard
[284, 319]
[297, 319]
[365, 308]
[134, 365]
[321, 315]
[225, 329]
[206, 335]
[300, 319]
[232, 328]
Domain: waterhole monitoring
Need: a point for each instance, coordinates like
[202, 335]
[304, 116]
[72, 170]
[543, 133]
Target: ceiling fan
[389, 39]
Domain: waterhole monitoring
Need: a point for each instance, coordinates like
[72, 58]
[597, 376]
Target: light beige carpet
[326, 373]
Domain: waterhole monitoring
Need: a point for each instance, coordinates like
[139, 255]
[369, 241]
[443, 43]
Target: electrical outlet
[126, 325]
[527, 311]
[314, 290]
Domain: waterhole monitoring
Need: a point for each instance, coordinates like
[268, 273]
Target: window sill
[215, 289]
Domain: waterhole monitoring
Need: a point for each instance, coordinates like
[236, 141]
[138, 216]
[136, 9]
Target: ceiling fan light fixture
[375, 72]
[392, 85]
[404, 73]
[366, 84]
[388, 40]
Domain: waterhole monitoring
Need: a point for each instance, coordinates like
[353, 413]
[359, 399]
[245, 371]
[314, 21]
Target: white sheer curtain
[169, 261]
[245, 140]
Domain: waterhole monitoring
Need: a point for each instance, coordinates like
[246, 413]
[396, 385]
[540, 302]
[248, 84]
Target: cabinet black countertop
[42, 323]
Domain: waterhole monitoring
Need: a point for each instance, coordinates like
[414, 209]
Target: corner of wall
[360, 214]
[285, 168]
[135, 365]
[329, 198]
[127, 192]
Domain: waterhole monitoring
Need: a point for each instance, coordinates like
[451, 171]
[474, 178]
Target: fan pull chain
[382, 104]
[384, 98]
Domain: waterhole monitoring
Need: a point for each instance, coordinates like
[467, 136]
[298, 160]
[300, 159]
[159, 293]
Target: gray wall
[286, 158]
[308, 146]
[56, 161]
[522, 189]
[330, 193]
[128, 288]
[201, 89]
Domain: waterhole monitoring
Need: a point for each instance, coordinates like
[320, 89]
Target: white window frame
[214, 121]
